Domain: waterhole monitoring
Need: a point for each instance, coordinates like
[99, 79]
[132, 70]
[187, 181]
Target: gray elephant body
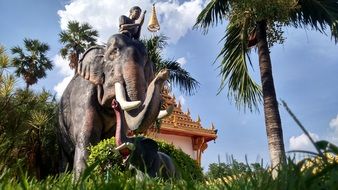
[85, 113]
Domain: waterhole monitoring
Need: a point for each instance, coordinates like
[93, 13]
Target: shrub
[188, 168]
[104, 156]
[27, 130]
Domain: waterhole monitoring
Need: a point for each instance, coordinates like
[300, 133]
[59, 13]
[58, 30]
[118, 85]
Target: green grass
[290, 176]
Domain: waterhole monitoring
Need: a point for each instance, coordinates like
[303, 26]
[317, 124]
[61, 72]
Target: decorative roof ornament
[153, 25]
[198, 119]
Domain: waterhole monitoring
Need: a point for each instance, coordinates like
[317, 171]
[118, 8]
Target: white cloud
[175, 19]
[302, 142]
[334, 124]
[61, 86]
[182, 61]
[63, 67]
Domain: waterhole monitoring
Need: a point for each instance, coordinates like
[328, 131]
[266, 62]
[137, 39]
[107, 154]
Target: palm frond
[32, 63]
[179, 77]
[78, 37]
[4, 59]
[7, 84]
[234, 70]
[212, 14]
[17, 50]
[318, 14]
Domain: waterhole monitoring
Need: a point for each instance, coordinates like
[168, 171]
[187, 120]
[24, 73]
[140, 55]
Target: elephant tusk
[121, 98]
[166, 112]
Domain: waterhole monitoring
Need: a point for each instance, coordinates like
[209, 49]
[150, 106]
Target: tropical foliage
[259, 23]
[27, 128]
[178, 75]
[76, 39]
[103, 158]
[4, 60]
[222, 169]
[31, 62]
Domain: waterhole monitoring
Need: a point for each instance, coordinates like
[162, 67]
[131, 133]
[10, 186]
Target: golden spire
[153, 25]
[198, 119]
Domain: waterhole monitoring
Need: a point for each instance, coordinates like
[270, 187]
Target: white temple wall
[184, 143]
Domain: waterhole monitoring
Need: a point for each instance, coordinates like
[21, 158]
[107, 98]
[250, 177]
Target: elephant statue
[120, 70]
[141, 153]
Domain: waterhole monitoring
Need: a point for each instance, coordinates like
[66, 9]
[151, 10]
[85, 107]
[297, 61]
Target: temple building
[181, 131]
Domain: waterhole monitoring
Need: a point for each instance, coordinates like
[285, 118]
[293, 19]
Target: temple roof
[180, 123]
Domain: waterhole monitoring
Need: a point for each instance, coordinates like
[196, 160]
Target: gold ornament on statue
[153, 25]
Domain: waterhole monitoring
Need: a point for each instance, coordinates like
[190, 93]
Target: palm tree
[259, 23]
[77, 38]
[178, 75]
[32, 62]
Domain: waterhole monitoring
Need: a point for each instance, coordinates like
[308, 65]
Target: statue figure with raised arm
[130, 26]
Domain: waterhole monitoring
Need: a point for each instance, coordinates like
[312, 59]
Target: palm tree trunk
[271, 112]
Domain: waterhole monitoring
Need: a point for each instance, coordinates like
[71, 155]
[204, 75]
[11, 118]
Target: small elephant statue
[142, 153]
[121, 70]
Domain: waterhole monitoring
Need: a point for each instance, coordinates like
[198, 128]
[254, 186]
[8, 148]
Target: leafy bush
[188, 168]
[27, 129]
[104, 156]
[221, 169]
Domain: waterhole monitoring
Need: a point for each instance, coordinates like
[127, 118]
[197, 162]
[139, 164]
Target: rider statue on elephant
[129, 25]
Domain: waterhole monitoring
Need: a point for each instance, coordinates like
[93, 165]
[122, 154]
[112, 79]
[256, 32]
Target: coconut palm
[76, 39]
[178, 75]
[259, 23]
[31, 63]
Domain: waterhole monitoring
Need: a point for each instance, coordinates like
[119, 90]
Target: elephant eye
[115, 50]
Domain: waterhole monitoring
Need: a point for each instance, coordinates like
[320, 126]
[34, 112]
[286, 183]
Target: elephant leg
[80, 157]
[66, 162]
[89, 134]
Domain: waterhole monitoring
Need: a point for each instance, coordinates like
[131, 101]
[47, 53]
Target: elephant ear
[91, 65]
[149, 144]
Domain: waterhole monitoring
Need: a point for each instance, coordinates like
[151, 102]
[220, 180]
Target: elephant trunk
[120, 135]
[150, 109]
[134, 76]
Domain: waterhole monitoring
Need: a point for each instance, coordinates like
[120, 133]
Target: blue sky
[305, 69]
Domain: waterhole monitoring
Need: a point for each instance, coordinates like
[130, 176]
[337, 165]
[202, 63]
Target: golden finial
[188, 112]
[153, 25]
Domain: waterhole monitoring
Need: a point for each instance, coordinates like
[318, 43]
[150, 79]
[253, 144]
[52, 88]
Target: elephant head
[123, 71]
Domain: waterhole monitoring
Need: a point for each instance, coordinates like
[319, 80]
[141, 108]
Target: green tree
[233, 168]
[4, 60]
[31, 63]
[76, 39]
[259, 23]
[178, 75]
